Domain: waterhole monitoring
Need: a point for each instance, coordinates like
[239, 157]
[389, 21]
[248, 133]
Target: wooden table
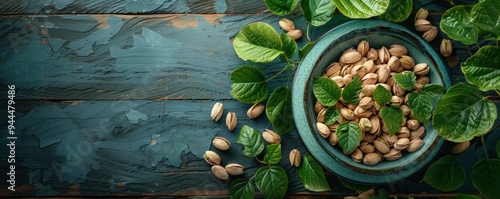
[113, 98]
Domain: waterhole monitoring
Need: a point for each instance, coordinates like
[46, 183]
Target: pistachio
[333, 127]
[412, 124]
[271, 137]
[372, 159]
[321, 116]
[393, 63]
[394, 154]
[351, 49]
[398, 50]
[363, 47]
[375, 125]
[365, 124]
[386, 86]
[357, 155]
[347, 114]
[339, 80]
[255, 110]
[231, 121]
[446, 48]
[381, 145]
[396, 101]
[366, 103]
[390, 81]
[422, 80]
[234, 169]
[323, 129]
[350, 197]
[221, 143]
[377, 107]
[430, 34]
[403, 132]
[217, 111]
[345, 70]
[359, 70]
[383, 55]
[421, 69]
[369, 78]
[415, 145]
[460, 147]
[370, 66]
[333, 69]
[366, 194]
[368, 137]
[295, 158]
[220, 172]
[419, 133]
[366, 147]
[350, 57]
[360, 112]
[407, 62]
[403, 124]
[383, 73]
[422, 25]
[402, 144]
[372, 54]
[286, 24]
[368, 89]
[333, 139]
[211, 158]
[347, 79]
[318, 107]
[391, 139]
[421, 14]
[397, 90]
[294, 34]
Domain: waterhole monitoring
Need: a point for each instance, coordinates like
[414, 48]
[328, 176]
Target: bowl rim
[303, 126]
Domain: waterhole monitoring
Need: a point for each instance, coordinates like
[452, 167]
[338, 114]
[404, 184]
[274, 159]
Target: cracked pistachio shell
[421, 14]
[323, 129]
[419, 133]
[423, 80]
[294, 34]
[390, 139]
[255, 110]
[405, 109]
[393, 63]
[372, 159]
[397, 90]
[370, 66]
[286, 24]
[383, 73]
[368, 89]
[369, 78]
[220, 172]
[421, 69]
[372, 54]
[221, 143]
[358, 70]
[460, 147]
[402, 144]
[339, 80]
[383, 55]
[430, 34]
[365, 124]
[347, 114]
[271, 137]
[403, 132]
[393, 154]
[415, 145]
[363, 47]
[368, 137]
[446, 48]
[333, 139]
[234, 169]
[375, 125]
[366, 147]
[231, 121]
[381, 145]
[347, 79]
[367, 194]
[407, 62]
[357, 155]
[350, 57]
[422, 25]
[396, 101]
[366, 102]
[217, 111]
[295, 158]
[318, 107]
[333, 69]
[321, 116]
[211, 158]
[398, 50]
[412, 124]
[361, 113]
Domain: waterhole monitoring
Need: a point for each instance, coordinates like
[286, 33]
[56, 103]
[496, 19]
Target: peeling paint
[147, 5]
[134, 116]
[185, 22]
[84, 46]
[103, 21]
[213, 18]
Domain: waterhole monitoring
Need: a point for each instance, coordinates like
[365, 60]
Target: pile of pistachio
[375, 67]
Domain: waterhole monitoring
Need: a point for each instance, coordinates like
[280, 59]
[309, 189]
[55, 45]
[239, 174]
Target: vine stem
[282, 70]
[301, 29]
[307, 32]
[468, 49]
[498, 91]
[484, 148]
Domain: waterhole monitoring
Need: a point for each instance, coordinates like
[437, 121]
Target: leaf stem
[468, 49]
[478, 47]
[282, 70]
[307, 32]
[301, 29]
[484, 148]
[498, 91]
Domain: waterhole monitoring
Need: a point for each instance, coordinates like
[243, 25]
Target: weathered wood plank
[135, 57]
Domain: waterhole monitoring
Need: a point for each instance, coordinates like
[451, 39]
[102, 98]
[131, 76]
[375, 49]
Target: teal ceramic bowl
[327, 50]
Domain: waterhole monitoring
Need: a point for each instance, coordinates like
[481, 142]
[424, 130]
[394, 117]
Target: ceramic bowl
[327, 50]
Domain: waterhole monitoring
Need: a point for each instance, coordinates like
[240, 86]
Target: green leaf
[381, 194]
[445, 174]
[331, 115]
[498, 149]
[483, 68]
[273, 154]
[281, 7]
[317, 12]
[398, 11]
[392, 118]
[433, 90]
[279, 110]
[326, 91]
[421, 106]
[465, 196]
[258, 42]
[241, 188]
[406, 80]
[249, 85]
[456, 23]
[463, 113]
[485, 15]
[486, 177]
[381, 95]
[305, 49]
[252, 141]
[272, 181]
[312, 176]
[289, 45]
[350, 94]
[361, 8]
[349, 135]
[356, 187]
[487, 35]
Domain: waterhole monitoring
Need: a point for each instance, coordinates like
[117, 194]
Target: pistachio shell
[220, 172]
[368, 137]
[405, 109]
[221, 143]
[286, 24]
[372, 159]
[363, 47]
[365, 124]
[375, 125]
[333, 139]
[421, 14]
[370, 66]
[295, 158]
[271, 137]
[398, 50]
[347, 114]
[430, 34]
[397, 90]
[295, 34]
[366, 103]
[372, 54]
[323, 129]
[357, 155]
[321, 116]
[407, 62]
[217, 111]
[231, 120]
[360, 112]
[415, 145]
[383, 73]
[393, 63]
[383, 55]
[390, 139]
[347, 79]
[446, 48]
[421, 69]
[412, 124]
[422, 25]
[403, 132]
[234, 169]
[396, 101]
[402, 144]
[368, 89]
[419, 133]
[350, 57]
[318, 107]
[255, 110]
[211, 158]
[393, 155]
[366, 194]
[369, 78]
[359, 70]
[460, 147]
[366, 147]
[381, 145]
[333, 69]
[339, 80]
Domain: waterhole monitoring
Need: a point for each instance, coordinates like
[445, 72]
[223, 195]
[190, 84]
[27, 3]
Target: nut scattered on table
[211, 158]
[255, 110]
[446, 48]
[220, 172]
[234, 169]
[217, 111]
[286, 24]
[271, 137]
[221, 143]
[460, 147]
[295, 158]
[231, 121]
